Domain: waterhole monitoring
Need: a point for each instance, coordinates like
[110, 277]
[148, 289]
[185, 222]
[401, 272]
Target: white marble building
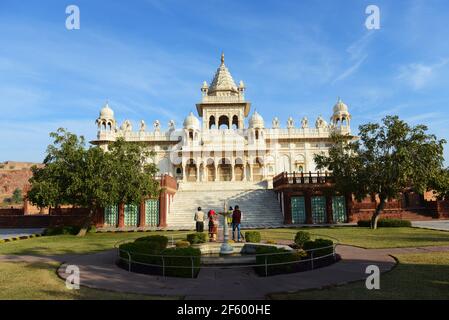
[216, 145]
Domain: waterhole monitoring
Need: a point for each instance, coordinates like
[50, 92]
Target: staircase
[259, 205]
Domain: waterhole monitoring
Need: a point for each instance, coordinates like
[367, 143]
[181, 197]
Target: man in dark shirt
[236, 219]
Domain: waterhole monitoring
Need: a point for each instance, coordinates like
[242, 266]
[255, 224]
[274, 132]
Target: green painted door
[111, 216]
[298, 210]
[131, 215]
[339, 209]
[152, 212]
[319, 209]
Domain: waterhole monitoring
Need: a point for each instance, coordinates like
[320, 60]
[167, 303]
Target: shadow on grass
[406, 281]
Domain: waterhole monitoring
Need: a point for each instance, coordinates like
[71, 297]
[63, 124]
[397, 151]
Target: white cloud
[418, 75]
[357, 55]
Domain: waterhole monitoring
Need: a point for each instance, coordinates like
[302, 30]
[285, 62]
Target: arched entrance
[191, 171]
[258, 170]
[239, 170]
[210, 170]
[224, 170]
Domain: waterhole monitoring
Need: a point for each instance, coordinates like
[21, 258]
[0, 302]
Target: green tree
[387, 158]
[89, 177]
[440, 184]
[17, 196]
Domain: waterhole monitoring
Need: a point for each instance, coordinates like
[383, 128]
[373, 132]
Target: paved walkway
[434, 225]
[12, 233]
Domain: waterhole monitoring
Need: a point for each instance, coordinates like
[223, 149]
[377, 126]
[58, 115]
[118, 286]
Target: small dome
[340, 106]
[256, 121]
[191, 122]
[106, 112]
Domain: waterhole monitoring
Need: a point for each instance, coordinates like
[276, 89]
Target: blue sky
[149, 59]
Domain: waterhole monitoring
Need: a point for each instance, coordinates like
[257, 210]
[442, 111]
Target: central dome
[222, 81]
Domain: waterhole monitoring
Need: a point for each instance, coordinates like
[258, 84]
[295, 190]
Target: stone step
[259, 205]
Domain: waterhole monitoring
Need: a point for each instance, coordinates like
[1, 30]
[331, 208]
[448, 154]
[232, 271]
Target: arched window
[212, 124]
[223, 122]
[235, 122]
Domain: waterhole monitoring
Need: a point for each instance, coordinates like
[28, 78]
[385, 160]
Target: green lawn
[367, 238]
[39, 281]
[417, 276]
[67, 244]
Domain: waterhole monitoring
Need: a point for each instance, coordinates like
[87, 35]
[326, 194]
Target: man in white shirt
[199, 219]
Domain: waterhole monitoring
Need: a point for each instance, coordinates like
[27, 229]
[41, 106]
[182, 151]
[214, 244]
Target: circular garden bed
[153, 255]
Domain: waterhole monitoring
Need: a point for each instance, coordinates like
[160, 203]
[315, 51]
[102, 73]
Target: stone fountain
[225, 248]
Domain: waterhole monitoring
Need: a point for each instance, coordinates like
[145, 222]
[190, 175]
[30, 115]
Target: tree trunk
[87, 223]
[380, 207]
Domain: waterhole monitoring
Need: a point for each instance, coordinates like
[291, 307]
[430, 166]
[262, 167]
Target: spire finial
[222, 57]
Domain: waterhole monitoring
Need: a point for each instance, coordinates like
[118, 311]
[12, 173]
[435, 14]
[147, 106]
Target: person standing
[199, 219]
[236, 220]
[213, 225]
[229, 217]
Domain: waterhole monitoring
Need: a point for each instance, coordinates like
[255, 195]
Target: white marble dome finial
[256, 121]
[191, 122]
[106, 112]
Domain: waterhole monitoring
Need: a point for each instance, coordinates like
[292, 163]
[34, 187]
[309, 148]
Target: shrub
[317, 244]
[198, 237]
[182, 244]
[302, 237]
[68, 230]
[271, 254]
[156, 242]
[92, 229]
[252, 236]
[183, 257]
[386, 223]
[177, 261]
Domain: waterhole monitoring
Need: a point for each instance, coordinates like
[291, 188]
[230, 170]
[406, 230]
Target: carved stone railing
[301, 178]
[217, 99]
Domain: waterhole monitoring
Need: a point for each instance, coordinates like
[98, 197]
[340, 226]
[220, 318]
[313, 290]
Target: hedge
[252, 236]
[302, 237]
[386, 223]
[269, 258]
[317, 244]
[141, 252]
[196, 238]
[182, 244]
[68, 230]
[155, 241]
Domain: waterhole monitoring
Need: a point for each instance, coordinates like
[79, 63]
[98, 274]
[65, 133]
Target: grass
[68, 244]
[24, 280]
[367, 238]
[417, 276]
